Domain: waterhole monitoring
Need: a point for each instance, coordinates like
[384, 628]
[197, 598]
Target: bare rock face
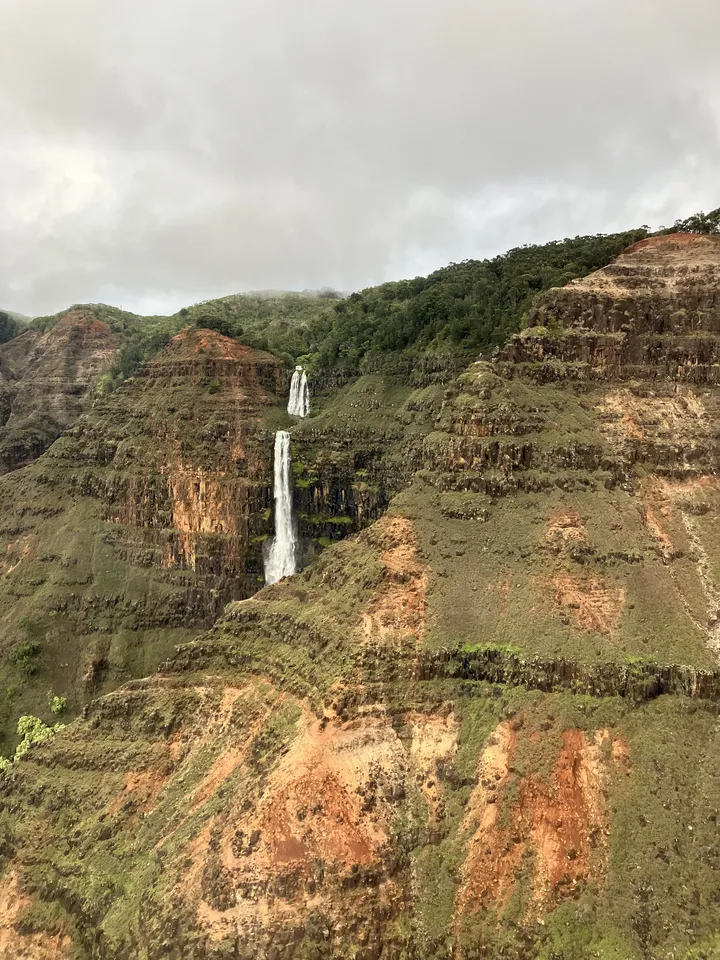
[186, 487]
[45, 381]
[653, 313]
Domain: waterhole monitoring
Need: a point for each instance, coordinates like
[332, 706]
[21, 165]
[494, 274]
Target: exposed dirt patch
[396, 613]
[142, 788]
[592, 604]
[658, 512]
[192, 341]
[672, 242]
[17, 551]
[671, 511]
[565, 531]
[627, 416]
[333, 793]
[230, 759]
[324, 813]
[551, 830]
[664, 504]
[487, 873]
[621, 418]
[98, 327]
[567, 817]
[226, 763]
[432, 748]
[15, 946]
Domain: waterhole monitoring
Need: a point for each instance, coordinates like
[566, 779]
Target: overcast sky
[157, 152]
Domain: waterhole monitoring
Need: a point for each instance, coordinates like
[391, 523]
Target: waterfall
[282, 557]
[299, 402]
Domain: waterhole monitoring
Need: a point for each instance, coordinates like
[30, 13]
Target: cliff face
[140, 523]
[180, 461]
[463, 732]
[653, 313]
[361, 446]
[45, 381]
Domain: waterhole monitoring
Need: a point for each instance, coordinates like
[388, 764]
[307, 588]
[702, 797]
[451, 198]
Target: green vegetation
[453, 313]
[9, 327]
[697, 223]
[277, 323]
[58, 705]
[31, 731]
[25, 657]
[464, 307]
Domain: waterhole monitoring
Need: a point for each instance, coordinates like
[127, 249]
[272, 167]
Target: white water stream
[282, 557]
[299, 402]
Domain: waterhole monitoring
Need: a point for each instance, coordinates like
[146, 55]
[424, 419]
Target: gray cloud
[156, 152]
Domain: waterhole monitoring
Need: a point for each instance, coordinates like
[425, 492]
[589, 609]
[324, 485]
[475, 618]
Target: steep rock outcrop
[143, 520]
[653, 313]
[45, 382]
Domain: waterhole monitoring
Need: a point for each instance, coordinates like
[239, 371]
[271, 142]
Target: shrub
[31, 730]
[25, 656]
[58, 705]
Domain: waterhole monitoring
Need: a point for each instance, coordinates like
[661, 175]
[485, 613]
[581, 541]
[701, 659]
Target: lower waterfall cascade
[282, 557]
[299, 400]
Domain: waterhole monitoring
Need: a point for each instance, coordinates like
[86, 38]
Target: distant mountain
[20, 317]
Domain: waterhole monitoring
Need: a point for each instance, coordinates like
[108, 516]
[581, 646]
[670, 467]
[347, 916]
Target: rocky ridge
[654, 313]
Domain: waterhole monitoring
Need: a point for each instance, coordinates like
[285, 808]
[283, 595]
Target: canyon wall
[46, 381]
[485, 725]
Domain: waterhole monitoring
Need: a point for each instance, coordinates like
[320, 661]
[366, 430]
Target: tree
[708, 223]
[9, 327]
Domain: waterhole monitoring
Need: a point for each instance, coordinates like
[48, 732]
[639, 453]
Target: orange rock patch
[560, 822]
[396, 613]
[193, 341]
[663, 502]
[487, 873]
[628, 416]
[142, 787]
[16, 552]
[433, 745]
[203, 504]
[566, 818]
[39, 946]
[565, 529]
[590, 601]
[331, 801]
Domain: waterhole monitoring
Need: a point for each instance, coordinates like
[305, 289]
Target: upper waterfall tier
[299, 402]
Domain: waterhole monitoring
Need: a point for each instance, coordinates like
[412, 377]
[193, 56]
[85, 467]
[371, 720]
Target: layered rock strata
[46, 381]
[463, 732]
